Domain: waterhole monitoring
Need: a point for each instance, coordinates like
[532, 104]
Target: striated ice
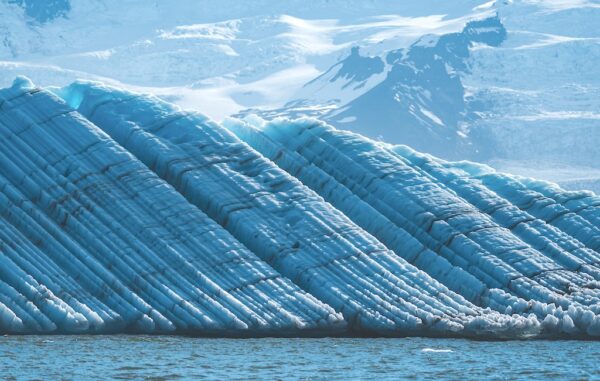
[122, 213]
[93, 241]
[480, 235]
[283, 221]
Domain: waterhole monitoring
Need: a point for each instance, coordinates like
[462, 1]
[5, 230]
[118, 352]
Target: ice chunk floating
[93, 241]
[122, 213]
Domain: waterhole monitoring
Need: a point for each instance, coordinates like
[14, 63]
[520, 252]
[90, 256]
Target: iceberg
[284, 222]
[93, 241]
[497, 243]
[121, 212]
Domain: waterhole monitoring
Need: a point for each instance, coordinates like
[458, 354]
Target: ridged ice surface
[121, 213]
[92, 241]
[284, 222]
[515, 246]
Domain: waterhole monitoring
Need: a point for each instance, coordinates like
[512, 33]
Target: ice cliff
[122, 213]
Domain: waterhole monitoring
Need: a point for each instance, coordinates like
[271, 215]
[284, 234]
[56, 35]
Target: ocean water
[172, 358]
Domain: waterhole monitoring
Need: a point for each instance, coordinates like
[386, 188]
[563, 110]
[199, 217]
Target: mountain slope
[405, 72]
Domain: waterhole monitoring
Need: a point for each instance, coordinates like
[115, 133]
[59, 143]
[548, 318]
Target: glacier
[121, 212]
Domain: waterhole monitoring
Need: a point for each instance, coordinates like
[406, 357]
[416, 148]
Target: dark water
[171, 358]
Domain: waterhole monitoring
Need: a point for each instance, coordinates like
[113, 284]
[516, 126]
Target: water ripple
[171, 358]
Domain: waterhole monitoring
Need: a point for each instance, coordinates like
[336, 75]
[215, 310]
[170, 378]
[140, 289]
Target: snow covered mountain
[517, 90]
[419, 100]
[510, 83]
[228, 55]
[122, 213]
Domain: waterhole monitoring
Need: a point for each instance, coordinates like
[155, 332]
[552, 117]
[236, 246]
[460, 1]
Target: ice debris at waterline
[122, 213]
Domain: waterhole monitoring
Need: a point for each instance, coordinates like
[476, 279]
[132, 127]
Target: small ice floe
[436, 350]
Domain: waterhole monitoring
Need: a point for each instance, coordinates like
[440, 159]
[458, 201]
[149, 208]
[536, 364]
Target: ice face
[496, 242]
[122, 213]
[93, 241]
[284, 222]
